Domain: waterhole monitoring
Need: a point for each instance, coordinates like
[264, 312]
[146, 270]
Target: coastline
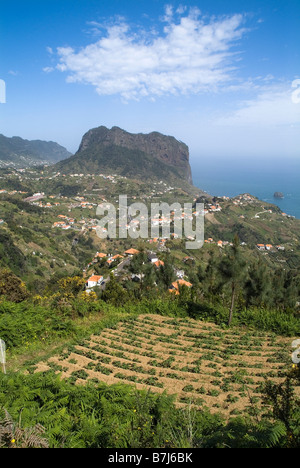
[220, 180]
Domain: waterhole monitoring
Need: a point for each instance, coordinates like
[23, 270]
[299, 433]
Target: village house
[59, 224]
[177, 284]
[115, 257]
[152, 257]
[94, 281]
[131, 252]
[189, 260]
[159, 263]
[179, 274]
[109, 261]
[99, 256]
[137, 277]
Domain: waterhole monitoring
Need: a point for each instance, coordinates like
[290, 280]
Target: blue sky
[219, 75]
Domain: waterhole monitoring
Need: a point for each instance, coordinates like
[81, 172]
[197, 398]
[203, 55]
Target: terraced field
[199, 362]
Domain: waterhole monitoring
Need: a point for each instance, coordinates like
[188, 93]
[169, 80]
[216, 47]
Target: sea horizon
[261, 179]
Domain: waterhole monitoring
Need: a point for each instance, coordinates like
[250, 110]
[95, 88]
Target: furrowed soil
[198, 362]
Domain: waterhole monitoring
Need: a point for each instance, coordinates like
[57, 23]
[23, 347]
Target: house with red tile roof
[94, 281]
[131, 252]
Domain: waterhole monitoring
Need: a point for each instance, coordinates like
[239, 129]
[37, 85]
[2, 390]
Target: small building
[174, 289]
[189, 260]
[115, 257]
[180, 274]
[152, 257]
[110, 261]
[100, 255]
[181, 282]
[94, 281]
[131, 252]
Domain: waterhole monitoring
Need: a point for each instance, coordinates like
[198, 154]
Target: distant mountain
[19, 153]
[139, 156]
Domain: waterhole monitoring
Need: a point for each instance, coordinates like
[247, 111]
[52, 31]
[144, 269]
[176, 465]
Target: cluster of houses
[110, 259]
[261, 247]
[210, 208]
[13, 192]
[270, 247]
[65, 223]
[85, 205]
[219, 243]
[241, 199]
[98, 280]
[112, 178]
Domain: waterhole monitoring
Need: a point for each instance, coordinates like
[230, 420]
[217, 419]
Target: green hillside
[17, 152]
[113, 159]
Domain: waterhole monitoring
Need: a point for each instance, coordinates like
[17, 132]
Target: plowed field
[200, 362]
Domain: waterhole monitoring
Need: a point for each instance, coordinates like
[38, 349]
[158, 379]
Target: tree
[71, 286]
[286, 288]
[210, 278]
[137, 263]
[166, 273]
[114, 293]
[11, 287]
[232, 269]
[258, 287]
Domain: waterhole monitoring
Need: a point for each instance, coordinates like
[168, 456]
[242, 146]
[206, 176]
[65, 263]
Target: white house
[152, 257]
[94, 281]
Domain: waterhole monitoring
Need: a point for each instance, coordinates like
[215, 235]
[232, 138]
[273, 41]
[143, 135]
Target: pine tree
[258, 287]
[166, 273]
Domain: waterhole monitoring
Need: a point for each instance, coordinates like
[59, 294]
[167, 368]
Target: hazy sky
[219, 75]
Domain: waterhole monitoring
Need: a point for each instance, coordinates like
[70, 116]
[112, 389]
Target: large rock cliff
[166, 149]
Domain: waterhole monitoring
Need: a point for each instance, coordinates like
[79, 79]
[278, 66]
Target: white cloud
[190, 56]
[48, 69]
[273, 106]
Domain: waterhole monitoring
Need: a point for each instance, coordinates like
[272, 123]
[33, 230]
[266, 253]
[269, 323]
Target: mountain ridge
[20, 153]
[149, 155]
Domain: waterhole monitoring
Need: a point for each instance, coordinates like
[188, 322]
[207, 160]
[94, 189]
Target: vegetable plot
[201, 363]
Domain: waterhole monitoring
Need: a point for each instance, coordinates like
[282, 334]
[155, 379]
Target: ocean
[260, 178]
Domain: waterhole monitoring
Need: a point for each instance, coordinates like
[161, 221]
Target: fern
[13, 436]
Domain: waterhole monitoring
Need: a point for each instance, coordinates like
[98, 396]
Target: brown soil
[199, 362]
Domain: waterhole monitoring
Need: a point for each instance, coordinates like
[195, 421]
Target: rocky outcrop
[166, 149]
